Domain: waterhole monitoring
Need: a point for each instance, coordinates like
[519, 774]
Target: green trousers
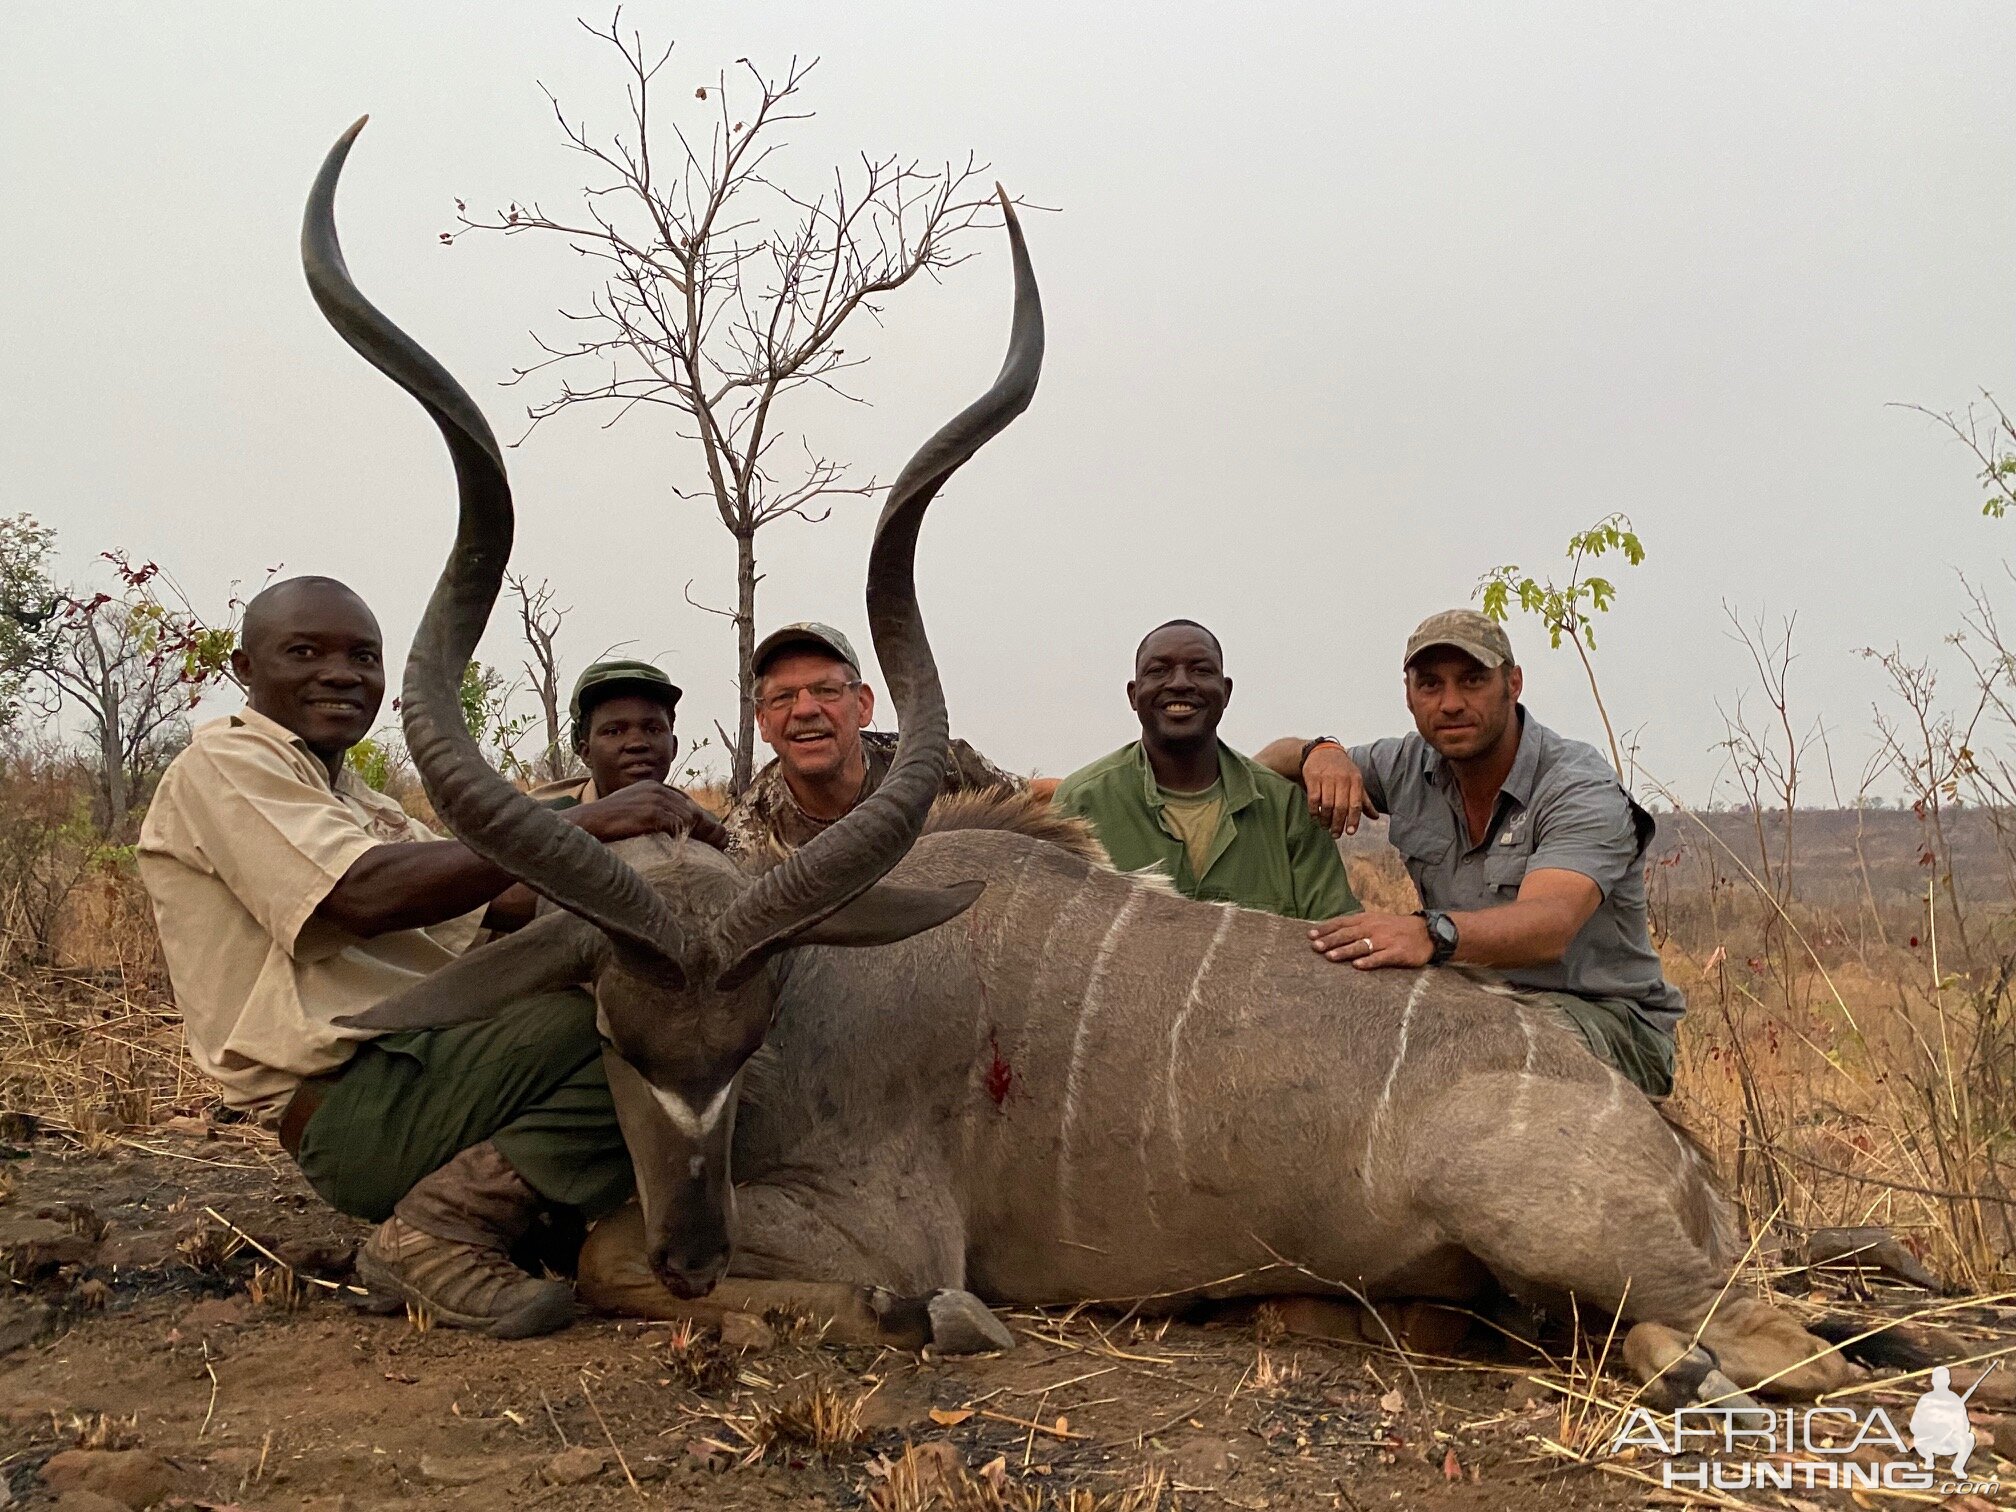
[1617, 1036]
[529, 1079]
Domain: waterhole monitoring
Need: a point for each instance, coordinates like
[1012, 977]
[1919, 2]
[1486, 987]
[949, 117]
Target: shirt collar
[1240, 789]
[1526, 764]
[347, 782]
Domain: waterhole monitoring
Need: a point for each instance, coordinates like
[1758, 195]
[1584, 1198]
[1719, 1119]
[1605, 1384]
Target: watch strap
[1443, 941]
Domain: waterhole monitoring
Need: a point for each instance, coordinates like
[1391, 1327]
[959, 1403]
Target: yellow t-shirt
[245, 837]
[1194, 819]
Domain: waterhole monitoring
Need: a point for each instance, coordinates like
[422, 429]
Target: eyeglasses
[827, 693]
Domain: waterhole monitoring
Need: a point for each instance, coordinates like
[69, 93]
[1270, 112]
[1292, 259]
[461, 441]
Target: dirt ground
[135, 1320]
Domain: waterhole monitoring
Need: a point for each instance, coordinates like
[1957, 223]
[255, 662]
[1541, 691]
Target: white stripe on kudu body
[1227, 913]
[1392, 1072]
[1088, 1009]
[1516, 1121]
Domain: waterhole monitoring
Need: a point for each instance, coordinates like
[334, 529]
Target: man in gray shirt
[1527, 852]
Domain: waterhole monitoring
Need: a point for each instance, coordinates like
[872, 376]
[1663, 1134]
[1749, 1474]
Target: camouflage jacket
[768, 817]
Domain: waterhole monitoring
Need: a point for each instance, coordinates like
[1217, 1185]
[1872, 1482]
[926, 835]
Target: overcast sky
[1347, 303]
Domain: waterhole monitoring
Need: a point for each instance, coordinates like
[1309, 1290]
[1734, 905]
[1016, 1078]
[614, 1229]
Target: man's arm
[1340, 791]
[410, 884]
[1534, 929]
[413, 884]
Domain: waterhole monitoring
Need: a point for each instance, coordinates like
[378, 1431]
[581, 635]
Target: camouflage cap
[806, 633]
[1467, 631]
[613, 679]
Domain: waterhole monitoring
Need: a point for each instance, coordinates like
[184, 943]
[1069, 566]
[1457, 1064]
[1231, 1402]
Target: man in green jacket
[1223, 828]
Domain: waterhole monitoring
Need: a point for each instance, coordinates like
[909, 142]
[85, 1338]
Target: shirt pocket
[1421, 838]
[1505, 871]
[1424, 845]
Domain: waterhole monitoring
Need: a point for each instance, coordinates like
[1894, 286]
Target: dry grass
[696, 1359]
[932, 1477]
[813, 1416]
[209, 1248]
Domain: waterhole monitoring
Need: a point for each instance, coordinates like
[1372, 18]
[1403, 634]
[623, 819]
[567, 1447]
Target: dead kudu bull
[1083, 1087]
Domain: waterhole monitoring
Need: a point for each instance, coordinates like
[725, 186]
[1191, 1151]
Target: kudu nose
[692, 1274]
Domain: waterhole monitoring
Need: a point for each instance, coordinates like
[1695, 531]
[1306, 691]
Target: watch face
[1442, 929]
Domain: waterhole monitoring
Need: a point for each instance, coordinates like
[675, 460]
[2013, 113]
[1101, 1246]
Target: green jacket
[1268, 853]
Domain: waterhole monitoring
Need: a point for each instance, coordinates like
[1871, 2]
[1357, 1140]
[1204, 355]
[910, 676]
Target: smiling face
[629, 739]
[1180, 689]
[811, 708]
[1462, 708]
[311, 659]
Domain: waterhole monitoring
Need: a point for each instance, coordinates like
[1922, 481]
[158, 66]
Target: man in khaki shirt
[288, 895]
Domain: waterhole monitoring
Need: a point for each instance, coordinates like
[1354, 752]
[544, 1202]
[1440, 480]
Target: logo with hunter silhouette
[1939, 1424]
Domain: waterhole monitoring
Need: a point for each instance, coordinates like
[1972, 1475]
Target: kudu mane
[1015, 811]
[1019, 812]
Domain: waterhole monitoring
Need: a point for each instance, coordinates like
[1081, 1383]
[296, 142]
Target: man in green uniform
[1223, 828]
[622, 717]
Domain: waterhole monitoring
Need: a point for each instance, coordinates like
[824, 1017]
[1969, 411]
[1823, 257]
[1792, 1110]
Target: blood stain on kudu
[1000, 1081]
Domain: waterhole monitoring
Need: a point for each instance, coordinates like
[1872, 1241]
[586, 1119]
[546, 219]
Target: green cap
[806, 633]
[1465, 630]
[613, 679]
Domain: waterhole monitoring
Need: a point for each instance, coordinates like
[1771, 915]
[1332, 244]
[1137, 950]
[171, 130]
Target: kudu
[1087, 1088]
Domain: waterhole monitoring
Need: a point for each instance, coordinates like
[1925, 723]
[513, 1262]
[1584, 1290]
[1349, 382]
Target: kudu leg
[615, 1277]
[1583, 1192]
[789, 1240]
[1745, 1344]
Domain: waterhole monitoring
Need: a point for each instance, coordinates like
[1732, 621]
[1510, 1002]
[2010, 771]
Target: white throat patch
[684, 1119]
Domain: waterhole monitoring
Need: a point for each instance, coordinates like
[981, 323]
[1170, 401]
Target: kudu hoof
[1696, 1380]
[962, 1324]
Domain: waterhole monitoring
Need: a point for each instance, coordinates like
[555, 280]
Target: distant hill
[1826, 866]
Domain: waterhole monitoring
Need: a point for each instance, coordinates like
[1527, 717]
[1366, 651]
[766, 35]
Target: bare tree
[540, 621]
[134, 664]
[723, 292]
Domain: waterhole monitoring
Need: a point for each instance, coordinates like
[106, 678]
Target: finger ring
[1369, 947]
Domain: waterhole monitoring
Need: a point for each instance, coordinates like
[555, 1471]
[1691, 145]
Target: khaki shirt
[767, 818]
[565, 792]
[244, 839]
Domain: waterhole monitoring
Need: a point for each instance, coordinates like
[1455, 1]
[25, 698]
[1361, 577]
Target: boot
[445, 1248]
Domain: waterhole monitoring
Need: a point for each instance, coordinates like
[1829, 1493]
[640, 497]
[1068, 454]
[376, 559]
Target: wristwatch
[1320, 740]
[1441, 933]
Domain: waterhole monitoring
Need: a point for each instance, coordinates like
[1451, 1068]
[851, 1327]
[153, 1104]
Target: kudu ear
[556, 950]
[887, 913]
[882, 915]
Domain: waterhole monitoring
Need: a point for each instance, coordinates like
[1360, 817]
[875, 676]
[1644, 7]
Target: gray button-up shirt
[1561, 806]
